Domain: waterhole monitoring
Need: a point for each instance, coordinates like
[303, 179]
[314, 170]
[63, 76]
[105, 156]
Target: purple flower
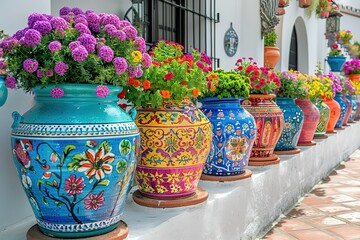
[93, 18]
[57, 92]
[205, 58]
[30, 65]
[106, 53]
[67, 18]
[87, 39]
[77, 11]
[54, 46]
[61, 68]
[79, 54]
[58, 23]
[81, 20]
[90, 48]
[49, 73]
[120, 34]
[120, 65]
[33, 18]
[3, 65]
[64, 11]
[10, 82]
[110, 19]
[130, 32]
[82, 28]
[102, 91]
[19, 34]
[146, 60]
[124, 23]
[32, 37]
[43, 27]
[95, 27]
[110, 29]
[74, 45]
[135, 72]
[139, 43]
[39, 73]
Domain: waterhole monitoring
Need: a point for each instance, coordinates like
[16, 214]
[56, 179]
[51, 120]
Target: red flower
[94, 202]
[122, 94]
[131, 81]
[169, 76]
[183, 83]
[335, 46]
[73, 185]
[136, 83]
[123, 105]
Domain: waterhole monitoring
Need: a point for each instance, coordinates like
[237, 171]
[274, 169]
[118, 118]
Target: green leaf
[78, 157]
[39, 183]
[121, 166]
[58, 204]
[73, 166]
[106, 146]
[69, 148]
[104, 183]
[44, 200]
[125, 147]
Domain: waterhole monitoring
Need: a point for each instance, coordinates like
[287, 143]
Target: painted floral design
[94, 202]
[21, 148]
[236, 148]
[74, 186]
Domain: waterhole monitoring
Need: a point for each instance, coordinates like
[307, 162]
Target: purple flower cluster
[352, 67]
[79, 54]
[130, 32]
[335, 83]
[139, 43]
[82, 28]
[54, 46]
[110, 19]
[19, 34]
[106, 53]
[57, 92]
[120, 65]
[88, 41]
[146, 60]
[43, 27]
[39, 73]
[30, 65]
[59, 24]
[3, 65]
[102, 91]
[10, 82]
[32, 37]
[135, 72]
[35, 17]
[65, 10]
[74, 45]
[61, 68]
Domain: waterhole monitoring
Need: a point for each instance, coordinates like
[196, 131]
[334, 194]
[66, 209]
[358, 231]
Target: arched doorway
[301, 50]
[293, 53]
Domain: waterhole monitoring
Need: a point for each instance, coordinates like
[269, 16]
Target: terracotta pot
[280, 11]
[334, 114]
[271, 56]
[324, 14]
[304, 3]
[348, 111]
[311, 120]
[354, 77]
[283, 3]
[324, 119]
[269, 121]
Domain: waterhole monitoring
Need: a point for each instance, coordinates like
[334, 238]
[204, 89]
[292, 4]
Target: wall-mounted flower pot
[304, 3]
[336, 63]
[283, 3]
[280, 11]
[271, 56]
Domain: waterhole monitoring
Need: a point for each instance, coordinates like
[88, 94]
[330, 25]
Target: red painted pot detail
[349, 109]
[269, 121]
[311, 120]
[334, 114]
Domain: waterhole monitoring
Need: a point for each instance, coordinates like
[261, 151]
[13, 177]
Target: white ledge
[242, 209]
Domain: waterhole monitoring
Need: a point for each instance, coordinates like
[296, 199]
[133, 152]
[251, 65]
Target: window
[188, 22]
[293, 55]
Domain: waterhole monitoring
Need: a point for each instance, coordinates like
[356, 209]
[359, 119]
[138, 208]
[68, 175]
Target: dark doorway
[293, 55]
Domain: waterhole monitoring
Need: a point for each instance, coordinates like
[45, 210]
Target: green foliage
[293, 85]
[270, 39]
[230, 84]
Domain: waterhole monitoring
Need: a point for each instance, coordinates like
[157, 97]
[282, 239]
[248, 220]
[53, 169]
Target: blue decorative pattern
[343, 109]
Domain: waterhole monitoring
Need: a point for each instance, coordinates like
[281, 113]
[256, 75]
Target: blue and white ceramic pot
[3, 90]
[353, 108]
[343, 109]
[234, 132]
[294, 119]
[75, 157]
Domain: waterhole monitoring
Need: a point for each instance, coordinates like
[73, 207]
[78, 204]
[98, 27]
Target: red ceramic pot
[311, 120]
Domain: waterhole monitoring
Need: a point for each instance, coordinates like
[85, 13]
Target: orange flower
[156, 63]
[136, 83]
[195, 92]
[146, 84]
[131, 81]
[165, 94]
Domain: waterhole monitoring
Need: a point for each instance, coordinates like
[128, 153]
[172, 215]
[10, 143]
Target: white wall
[14, 206]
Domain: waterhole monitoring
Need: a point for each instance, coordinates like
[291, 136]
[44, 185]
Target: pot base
[331, 132]
[311, 143]
[340, 128]
[246, 174]
[201, 195]
[321, 137]
[263, 161]
[119, 233]
[288, 152]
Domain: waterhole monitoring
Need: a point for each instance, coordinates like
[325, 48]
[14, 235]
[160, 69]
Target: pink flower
[57, 92]
[102, 91]
[94, 202]
[10, 82]
[74, 186]
[169, 76]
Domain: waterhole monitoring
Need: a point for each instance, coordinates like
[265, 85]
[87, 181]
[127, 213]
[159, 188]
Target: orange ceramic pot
[311, 120]
[354, 77]
[304, 3]
[271, 56]
[334, 114]
[269, 121]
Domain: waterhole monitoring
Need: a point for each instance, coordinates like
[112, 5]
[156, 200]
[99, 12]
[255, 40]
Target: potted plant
[233, 128]
[345, 36]
[175, 135]
[292, 87]
[3, 74]
[75, 150]
[335, 58]
[271, 52]
[347, 91]
[268, 116]
[332, 104]
[323, 8]
[351, 69]
[305, 3]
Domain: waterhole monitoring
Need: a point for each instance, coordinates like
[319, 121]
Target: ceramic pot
[304, 3]
[175, 143]
[283, 3]
[280, 11]
[343, 109]
[269, 121]
[294, 119]
[336, 63]
[356, 98]
[354, 77]
[311, 120]
[348, 110]
[324, 119]
[234, 133]
[324, 14]
[75, 157]
[271, 56]
[334, 114]
[3, 90]
[353, 109]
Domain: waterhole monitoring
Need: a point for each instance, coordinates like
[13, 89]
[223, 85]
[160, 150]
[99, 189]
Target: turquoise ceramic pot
[336, 63]
[234, 132]
[3, 90]
[294, 119]
[75, 157]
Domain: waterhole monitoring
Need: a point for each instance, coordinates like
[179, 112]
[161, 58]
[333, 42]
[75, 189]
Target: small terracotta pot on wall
[271, 56]
[283, 3]
[304, 3]
[280, 11]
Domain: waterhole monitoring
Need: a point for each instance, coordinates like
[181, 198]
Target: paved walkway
[330, 211]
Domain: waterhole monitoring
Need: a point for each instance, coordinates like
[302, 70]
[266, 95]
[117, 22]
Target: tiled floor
[330, 211]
